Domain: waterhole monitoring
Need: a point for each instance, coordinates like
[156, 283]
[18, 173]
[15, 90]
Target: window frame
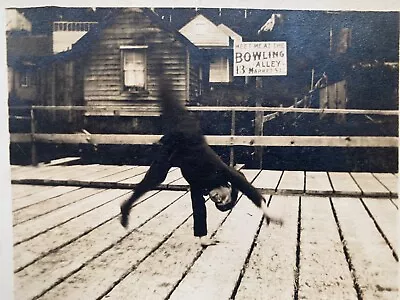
[126, 49]
[228, 77]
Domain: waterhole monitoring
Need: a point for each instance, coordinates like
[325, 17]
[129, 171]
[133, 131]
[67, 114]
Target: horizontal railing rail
[123, 109]
[231, 140]
[213, 140]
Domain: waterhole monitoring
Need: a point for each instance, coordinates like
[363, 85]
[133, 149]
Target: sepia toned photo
[203, 153]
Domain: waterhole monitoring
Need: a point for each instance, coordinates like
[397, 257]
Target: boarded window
[219, 70]
[134, 68]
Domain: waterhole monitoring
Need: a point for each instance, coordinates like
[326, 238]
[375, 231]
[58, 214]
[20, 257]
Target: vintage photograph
[203, 153]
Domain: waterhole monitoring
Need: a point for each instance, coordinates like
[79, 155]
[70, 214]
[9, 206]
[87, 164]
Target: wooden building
[121, 67]
[114, 65]
[24, 52]
[217, 43]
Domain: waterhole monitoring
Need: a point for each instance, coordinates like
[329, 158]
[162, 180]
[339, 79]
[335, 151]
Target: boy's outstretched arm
[241, 183]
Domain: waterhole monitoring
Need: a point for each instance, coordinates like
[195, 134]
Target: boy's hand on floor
[270, 217]
[205, 241]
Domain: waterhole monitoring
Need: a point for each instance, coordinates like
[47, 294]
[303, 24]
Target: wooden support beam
[214, 140]
[218, 108]
[183, 186]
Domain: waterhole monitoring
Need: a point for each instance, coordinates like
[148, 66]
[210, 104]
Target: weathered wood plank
[368, 184]
[78, 253]
[23, 190]
[29, 251]
[79, 172]
[343, 183]
[63, 160]
[386, 216]
[323, 267]
[268, 179]
[130, 172]
[269, 273]
[66, 172]
[155, 277]
[138, 178]
[250, 174]
[292, 181]
[24, 169]
[375, 268]
[26, 172]
[390, 181]
[317, 183]
[49, 205]
[41, 196]
[51, 172]
[105, 171]
[15, 167]
[57, 217]
[111, 265]
[225, 259]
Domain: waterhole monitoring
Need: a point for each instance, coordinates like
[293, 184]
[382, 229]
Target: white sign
[260, 59]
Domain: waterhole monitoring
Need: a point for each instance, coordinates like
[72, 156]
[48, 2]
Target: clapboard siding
[194, 84]
[103, 77]
[94, 104]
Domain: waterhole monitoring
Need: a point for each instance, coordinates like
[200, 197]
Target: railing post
[259, 128]
[232, 150]
[34, 158]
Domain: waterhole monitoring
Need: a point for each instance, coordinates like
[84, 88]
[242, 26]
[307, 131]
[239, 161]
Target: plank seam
[298, 253]
[30, 193]
[81, 214]
[118, 172]
[132, 268]
[355, 181]
[65, 205]
[246, 263]
[279, 181]
[73, 239]
[18, 209]
[391, 200]
[381, 182]
[197, 256]
[200, 252]
[331, 183]
[380, 230]
[105, 249]
[347, 254]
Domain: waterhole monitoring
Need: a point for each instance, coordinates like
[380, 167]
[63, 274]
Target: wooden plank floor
[339, 240]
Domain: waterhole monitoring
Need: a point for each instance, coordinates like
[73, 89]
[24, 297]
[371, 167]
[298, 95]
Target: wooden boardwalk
[339, 240]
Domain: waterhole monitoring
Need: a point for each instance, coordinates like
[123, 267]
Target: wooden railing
[230, 140]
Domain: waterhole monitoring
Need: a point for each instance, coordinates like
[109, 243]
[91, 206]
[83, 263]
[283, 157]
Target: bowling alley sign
[260, 59]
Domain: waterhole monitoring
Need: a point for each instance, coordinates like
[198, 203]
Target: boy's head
[222, 197]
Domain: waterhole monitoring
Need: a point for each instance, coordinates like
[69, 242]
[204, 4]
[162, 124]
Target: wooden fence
[231, 140]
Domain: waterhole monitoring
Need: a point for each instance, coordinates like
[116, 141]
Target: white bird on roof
[270, 24]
